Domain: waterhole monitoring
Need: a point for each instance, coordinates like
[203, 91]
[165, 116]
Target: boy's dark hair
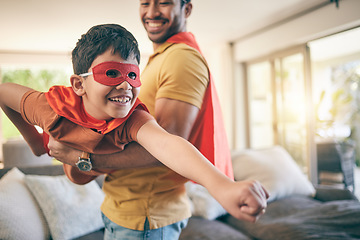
[99, 39]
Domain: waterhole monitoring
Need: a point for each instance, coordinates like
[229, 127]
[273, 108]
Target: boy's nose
[124, 85]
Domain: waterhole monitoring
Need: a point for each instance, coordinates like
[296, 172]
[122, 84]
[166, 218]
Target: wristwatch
[84, 163]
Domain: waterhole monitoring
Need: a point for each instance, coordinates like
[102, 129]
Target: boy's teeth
[120, 99]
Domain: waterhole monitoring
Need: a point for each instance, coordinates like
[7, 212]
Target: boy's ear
[77, 85]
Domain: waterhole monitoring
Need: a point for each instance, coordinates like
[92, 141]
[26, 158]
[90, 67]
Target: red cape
[67, 104]
[210, 140]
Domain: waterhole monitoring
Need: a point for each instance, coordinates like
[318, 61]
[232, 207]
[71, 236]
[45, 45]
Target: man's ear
[77, 85]
[188, 9]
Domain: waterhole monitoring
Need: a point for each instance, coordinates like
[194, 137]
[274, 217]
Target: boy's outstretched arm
[244, 200]
[176, 117]
[10, 98]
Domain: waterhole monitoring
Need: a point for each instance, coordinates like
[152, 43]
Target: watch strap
[85, 155]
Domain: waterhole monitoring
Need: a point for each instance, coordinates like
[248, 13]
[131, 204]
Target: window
[260, 105]
[336, 87]
[294, 99]
[37, 77]
[278, 114]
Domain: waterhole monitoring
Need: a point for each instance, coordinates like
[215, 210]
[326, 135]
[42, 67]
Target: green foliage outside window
[40, 80]
[345, 103]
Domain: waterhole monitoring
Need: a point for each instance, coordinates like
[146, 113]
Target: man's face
[162, 18]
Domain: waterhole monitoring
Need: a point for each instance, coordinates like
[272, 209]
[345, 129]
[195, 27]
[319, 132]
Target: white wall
[13, 58]
[322, 22]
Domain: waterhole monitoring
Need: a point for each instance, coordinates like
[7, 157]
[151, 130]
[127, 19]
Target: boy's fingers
[256, 202]
[260, 190]
[243, 214]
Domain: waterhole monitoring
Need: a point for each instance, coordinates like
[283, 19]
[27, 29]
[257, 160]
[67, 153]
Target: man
[178, 91]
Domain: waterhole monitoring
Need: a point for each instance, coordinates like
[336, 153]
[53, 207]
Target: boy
[100, 113]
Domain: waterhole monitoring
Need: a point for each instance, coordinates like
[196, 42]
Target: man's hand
[62, 152]
[245, 200]
[133, 156]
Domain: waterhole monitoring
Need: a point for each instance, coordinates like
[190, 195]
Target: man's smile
[155, 26]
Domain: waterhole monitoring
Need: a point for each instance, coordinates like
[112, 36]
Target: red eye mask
[114, 73]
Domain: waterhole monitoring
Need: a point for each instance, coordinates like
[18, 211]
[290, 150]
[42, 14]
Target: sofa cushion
[299, 217]
[275, 169]
[71, 210]
[203, 229]
[20, 215]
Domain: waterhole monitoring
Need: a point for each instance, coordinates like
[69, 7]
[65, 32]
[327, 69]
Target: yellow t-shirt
[174, 71]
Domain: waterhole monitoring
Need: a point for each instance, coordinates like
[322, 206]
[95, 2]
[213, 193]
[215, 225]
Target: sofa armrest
[326, 194]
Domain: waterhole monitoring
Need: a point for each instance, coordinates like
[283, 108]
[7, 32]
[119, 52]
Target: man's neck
[156, 45]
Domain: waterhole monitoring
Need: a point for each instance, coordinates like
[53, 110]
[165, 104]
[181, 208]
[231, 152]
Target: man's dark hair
[183, 2]
[99, 39]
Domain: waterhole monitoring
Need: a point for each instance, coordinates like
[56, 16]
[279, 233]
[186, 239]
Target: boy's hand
[245, 200]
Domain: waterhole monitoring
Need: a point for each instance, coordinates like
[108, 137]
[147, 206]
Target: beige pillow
[275, 169]
[20, 215]
[70, 210]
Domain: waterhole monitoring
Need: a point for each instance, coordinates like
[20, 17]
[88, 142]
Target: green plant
[40, 80]
[344, 108]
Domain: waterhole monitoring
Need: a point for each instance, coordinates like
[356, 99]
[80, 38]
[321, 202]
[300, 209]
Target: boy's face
[106, 102]
[162, 18]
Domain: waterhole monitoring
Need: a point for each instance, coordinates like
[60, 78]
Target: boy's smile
[120, 99]
[117, 97]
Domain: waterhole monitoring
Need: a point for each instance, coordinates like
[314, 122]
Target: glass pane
[291, 107]
[336, 87]
[260, 105]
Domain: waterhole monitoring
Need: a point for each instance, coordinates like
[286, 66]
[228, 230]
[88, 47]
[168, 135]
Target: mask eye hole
[132, 75]
[113, 73]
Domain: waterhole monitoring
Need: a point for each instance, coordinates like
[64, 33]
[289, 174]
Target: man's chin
[157, 37]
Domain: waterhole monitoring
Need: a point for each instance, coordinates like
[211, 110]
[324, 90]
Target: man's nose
[153, 10]
[124, 85]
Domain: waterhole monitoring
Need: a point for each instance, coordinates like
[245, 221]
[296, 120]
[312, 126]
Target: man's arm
[10, 98]
[174, 116]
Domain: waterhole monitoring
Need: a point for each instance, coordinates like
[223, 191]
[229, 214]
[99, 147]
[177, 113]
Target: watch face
[84, 166]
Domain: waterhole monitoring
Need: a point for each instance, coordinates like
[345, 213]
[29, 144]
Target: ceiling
[55, 26]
